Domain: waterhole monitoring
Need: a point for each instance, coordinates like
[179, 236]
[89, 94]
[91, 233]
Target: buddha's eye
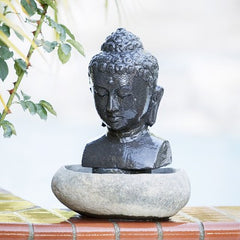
[124, 92]
[100, 91]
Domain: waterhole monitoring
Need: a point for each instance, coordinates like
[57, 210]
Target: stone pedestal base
[145, 196]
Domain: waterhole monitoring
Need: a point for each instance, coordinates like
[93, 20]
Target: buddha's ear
[153, 106]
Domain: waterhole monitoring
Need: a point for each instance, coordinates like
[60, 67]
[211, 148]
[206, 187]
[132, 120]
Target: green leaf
[20, 66]
[23, 104]
[8, 129]
[30, 6]
[25, 96]
[51, 22]
[17, 69]
[31, 107]
[3, 69]
[49, 46]
[29, 20]
[5, 53]
[77, 46]
[5, 29]
[61, 53]
[48, 106]
[68, 31]
[61, 32]
[41, 111]
[50, 3]
[2, 43]
[59, 29]
[66, 48]
[19, 36]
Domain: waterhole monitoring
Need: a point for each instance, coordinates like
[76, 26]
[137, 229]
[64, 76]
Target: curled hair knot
[123, 52]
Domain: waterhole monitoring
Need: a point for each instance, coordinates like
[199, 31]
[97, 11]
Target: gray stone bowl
[134, 196]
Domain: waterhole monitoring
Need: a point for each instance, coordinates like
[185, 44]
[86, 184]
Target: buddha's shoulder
[97, 142]
[161, 148]
[98, 147]
[155, 141]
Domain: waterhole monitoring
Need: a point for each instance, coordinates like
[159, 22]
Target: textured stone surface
[157, 195]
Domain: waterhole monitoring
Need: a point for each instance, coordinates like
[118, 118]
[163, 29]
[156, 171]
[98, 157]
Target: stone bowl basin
[134, 196]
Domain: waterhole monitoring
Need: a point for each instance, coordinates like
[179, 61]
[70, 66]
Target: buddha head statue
[124, 83]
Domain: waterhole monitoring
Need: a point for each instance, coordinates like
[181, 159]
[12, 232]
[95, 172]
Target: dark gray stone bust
[124, 83]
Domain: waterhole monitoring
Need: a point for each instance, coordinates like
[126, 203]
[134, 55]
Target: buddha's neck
[127, 136]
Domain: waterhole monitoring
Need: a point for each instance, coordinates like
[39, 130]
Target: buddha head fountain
[124, 84]
[123, 173]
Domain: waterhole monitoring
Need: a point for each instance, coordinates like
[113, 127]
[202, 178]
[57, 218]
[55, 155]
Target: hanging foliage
[12, 54]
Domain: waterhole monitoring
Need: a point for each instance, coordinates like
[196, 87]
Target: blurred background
[197, 44]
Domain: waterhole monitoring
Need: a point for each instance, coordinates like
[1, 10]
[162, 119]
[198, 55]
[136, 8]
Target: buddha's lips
[113, 119]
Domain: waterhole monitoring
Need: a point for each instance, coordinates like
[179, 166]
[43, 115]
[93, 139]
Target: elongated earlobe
[153, 106]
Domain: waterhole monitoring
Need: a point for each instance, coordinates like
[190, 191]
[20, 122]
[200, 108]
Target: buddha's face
[121, 100]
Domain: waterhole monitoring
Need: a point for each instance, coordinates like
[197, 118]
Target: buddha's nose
[113, 104]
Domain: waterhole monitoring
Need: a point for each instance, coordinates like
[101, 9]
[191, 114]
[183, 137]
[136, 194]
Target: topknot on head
[123, 53]
[121, 41]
